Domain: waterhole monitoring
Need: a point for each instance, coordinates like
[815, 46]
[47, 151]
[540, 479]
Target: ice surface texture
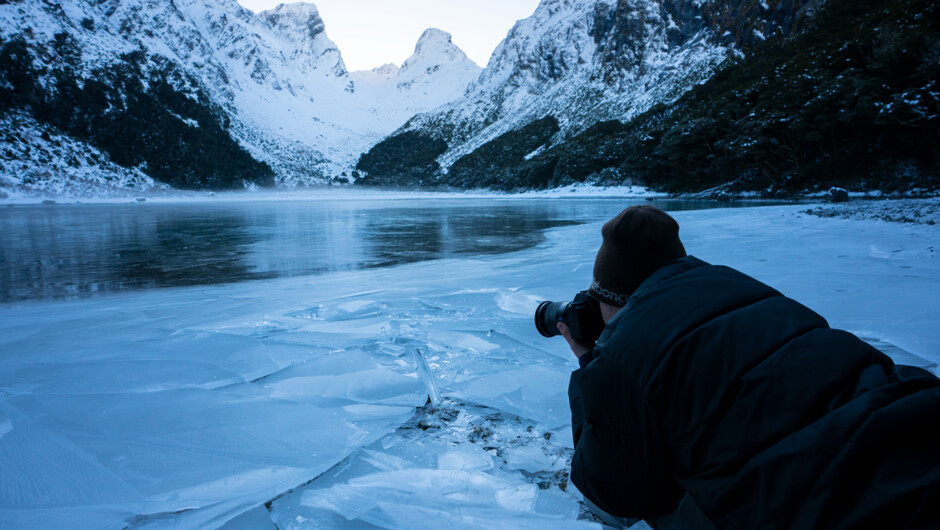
[197, 406]
[458, 465]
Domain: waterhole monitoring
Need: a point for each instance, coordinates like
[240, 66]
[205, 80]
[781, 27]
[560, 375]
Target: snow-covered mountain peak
[438, 72]
[547, 45]
[301, 26]
[436, 45]
[387, 69]
[300, 18]
[386, 73]
[295, 9]
[434, 53]
[580, 61]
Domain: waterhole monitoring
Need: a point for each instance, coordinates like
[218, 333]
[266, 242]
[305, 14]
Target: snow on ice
[301, 402]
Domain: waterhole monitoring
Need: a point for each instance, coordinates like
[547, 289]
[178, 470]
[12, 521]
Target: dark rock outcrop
[837, 194]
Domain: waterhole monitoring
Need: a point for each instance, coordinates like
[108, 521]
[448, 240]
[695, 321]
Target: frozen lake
[298, 402]
[68, 250]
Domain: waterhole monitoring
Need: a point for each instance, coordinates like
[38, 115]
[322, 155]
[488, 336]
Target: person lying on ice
[710, 388]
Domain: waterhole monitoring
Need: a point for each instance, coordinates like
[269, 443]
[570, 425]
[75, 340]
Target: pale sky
[370, 33]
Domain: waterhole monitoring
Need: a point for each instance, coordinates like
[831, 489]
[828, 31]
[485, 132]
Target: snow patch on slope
[38, 161]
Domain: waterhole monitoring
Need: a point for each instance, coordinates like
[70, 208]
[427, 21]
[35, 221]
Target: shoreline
[872, 205]
[341, 193]
[337, 193]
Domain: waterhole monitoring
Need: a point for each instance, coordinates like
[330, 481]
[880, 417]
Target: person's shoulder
[669, 272]
[703, 271]
[695, 285]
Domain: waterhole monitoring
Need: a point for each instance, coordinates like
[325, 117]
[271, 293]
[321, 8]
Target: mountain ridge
[677, 95]
[274, 81]
[739, 127]
[581, 62]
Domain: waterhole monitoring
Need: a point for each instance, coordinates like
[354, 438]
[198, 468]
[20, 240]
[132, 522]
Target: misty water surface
[64, 251]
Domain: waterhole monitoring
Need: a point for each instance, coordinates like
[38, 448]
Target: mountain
[768, 96]
[436, 73]
[197, 93]
[847, 99]
[687, 95]
[580, 62]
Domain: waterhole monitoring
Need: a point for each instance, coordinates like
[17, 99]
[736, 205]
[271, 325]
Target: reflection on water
[75, 250]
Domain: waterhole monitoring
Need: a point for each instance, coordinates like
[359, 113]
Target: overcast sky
[370, 33]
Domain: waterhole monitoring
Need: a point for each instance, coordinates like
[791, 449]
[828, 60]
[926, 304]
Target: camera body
[582, 315]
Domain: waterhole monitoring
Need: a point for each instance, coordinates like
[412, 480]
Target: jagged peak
[435, 46]
[298, 15]
[299, 24]
[295, 8]
[433, 35]
[387, 69]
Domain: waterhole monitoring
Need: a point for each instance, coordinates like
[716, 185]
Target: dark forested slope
[141, 111]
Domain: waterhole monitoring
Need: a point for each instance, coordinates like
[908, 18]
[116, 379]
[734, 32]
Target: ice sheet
[196, 406]
[459, 465]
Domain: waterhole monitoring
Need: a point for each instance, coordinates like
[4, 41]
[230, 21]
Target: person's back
[710, 382]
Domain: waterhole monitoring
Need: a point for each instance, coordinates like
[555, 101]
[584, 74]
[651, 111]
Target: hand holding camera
[579, 321]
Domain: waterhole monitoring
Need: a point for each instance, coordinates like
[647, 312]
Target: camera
[582, 315]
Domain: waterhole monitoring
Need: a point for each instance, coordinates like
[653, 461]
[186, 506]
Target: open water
[75, 250]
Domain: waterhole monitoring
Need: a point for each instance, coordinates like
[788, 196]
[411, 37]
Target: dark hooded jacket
[712, 383]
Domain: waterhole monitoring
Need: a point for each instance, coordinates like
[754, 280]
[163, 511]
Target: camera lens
[547, 316]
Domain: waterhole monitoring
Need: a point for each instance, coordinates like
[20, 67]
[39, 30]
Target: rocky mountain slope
[768, 96]
[850, 100]
[579, 61]
[685, 95]
[201, 93]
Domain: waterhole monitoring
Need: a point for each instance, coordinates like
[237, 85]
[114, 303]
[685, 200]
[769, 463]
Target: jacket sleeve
[621, 461]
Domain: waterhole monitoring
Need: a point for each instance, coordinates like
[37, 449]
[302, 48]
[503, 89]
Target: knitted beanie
[636, 243]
